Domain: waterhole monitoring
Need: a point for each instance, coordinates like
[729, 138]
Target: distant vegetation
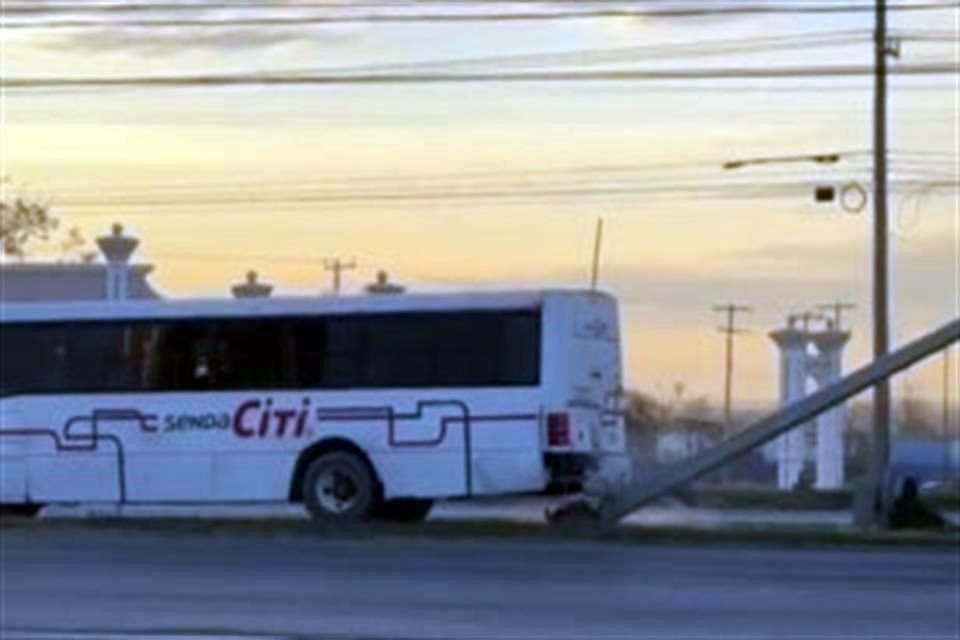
[21, 222]
[24, 222]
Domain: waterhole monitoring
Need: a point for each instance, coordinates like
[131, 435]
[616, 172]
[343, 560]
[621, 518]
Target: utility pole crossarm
[616, 506]
[337, 266]
[736, 308]
[837, 308]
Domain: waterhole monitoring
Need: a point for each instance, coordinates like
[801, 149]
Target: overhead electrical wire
[585, 57]
[34, 7]
[275, 20]
[855, 161]
[911, 170]
[269, 79]
[565, 66]
[388, 74]
[230, 204]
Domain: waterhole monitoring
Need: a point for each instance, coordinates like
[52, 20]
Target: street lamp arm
[816, 158]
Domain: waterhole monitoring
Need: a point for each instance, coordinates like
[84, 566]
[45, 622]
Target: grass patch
[793, 537]
[797, 500]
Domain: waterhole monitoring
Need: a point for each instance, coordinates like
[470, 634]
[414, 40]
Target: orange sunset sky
[494, 185]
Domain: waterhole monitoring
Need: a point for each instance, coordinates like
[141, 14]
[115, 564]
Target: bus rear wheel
[21, 510]
[339, 487]
[405, 510]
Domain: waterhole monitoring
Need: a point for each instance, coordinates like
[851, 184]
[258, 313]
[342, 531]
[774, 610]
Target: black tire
[24, 510]
[340, 487]
[405, 510]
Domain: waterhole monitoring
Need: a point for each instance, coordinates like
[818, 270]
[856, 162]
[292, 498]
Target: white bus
[354, 406]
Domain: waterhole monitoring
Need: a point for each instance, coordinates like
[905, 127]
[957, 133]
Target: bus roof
[273, 306]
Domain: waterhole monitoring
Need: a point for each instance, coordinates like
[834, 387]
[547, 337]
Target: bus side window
[253, 354]
[33, 358]
[184, 357]
[467, 349]
[140, 350]
[520, 348]
[400, 351]
[92, 349]
[343, 352]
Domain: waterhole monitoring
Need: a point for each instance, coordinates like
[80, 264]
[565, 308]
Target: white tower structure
[117, 249]
[251, 287]
[828, 369]
[798, 364]
[792, 343]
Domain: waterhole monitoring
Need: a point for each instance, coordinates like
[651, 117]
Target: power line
[699, 174]
[487, 16]
[788, 86]
[240, 205]
[32, 7]
[260, 79]
[692, 169]
[672, 50]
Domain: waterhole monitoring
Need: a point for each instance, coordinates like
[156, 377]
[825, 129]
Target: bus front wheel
[339, 486]
[405, 510]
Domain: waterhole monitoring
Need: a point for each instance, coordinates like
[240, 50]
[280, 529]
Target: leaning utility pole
[337, 267]
[946, 415]
[730, 330]
[881, 263]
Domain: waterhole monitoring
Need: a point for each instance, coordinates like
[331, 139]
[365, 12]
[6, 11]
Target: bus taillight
[558, 430]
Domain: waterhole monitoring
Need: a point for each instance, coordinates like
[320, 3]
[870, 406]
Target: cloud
[150, 29]
[151, 42]
[780, 279]
[154, 27]
[921, 254]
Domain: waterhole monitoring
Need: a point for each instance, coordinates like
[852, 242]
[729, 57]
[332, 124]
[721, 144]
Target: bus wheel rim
[336, 489]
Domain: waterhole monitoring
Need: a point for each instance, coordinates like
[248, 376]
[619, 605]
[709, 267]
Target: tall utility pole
[730, 330]
[881, 263]
[337, 266]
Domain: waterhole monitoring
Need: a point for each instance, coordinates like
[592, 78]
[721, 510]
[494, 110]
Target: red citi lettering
[238, 426]
[247, 424]
[302, 418]
[265, 418]
[283, 416]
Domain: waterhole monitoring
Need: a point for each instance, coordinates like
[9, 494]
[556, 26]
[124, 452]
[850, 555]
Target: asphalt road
[65, 582]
